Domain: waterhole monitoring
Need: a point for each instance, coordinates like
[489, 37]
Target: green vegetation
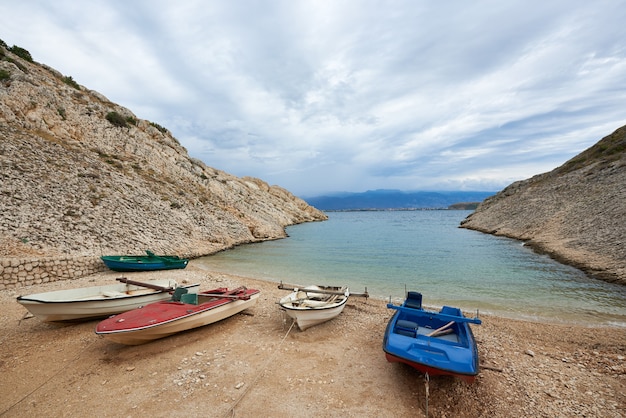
[116, 119]
[4, 75]
[110, 159]
[159, 127]
[120, 121]
[607, 150]
[22, 53]
[61, 112]
[70, 82]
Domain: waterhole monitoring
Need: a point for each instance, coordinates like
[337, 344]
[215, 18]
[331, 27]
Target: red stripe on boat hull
[432, 371]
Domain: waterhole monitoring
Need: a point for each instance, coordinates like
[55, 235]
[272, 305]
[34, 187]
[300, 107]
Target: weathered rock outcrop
[575, 213]
[80, 175]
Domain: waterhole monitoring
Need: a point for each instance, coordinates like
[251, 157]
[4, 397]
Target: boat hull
[411, 338]
[162, 319]
[141, 263]
[430, 370]
[83, 304]
[307, 315]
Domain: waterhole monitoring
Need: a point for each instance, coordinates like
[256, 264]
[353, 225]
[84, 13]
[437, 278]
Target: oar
[230, 294]
[441, 329]
[221, 295]
[148, 285]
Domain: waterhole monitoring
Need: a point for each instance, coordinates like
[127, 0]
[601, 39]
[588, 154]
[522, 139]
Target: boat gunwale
[313, 308]
[101, 298]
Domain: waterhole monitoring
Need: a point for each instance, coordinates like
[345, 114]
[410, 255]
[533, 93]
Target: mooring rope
[231, 411]
[426, 380]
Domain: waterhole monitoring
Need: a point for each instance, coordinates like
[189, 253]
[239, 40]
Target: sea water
[389, 252]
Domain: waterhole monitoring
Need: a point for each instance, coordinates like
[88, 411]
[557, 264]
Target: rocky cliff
[575, 213]
[81, 175]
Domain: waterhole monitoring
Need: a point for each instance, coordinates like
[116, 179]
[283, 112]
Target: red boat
[185, 311]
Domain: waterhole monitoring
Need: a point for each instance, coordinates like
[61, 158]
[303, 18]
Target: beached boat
[87, 303]
[186, 311]
[150, 261]
[436, 343]
[312, 305]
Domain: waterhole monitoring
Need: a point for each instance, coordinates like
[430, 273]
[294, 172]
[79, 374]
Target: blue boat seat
[448, 310]
[178, 292]
[406, 328]
[190, 298]
[413, 300]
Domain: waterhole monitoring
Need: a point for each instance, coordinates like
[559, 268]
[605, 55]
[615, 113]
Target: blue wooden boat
[150, 261]
[437, 343]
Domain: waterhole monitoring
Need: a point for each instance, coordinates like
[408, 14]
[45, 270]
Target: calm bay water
[426, 251]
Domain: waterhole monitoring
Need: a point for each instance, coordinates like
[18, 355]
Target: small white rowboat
[87, 303]
[313, 305]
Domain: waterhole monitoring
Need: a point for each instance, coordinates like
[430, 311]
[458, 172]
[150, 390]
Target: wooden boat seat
[112, 294]
[406, 328]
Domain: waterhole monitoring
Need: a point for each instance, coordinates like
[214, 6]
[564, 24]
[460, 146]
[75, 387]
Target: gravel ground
[256, 364]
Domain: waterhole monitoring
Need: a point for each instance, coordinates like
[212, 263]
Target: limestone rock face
[76, 180]
[575, 213]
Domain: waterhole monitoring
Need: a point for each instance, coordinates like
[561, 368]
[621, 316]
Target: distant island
[398, 200]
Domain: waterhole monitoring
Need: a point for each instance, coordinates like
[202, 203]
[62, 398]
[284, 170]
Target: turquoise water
[426, 251]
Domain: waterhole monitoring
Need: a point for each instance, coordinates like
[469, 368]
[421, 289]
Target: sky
[323, 96]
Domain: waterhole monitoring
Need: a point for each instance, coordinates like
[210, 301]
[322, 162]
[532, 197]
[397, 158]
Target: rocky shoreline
[575, 213]
[255, 363]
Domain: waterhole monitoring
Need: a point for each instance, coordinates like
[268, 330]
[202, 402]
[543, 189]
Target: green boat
[147, 262]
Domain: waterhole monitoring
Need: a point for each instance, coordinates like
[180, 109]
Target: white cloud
[320, 96]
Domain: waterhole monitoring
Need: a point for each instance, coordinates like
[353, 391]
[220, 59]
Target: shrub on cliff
[21, 52]
[70, 82]
[116, 119]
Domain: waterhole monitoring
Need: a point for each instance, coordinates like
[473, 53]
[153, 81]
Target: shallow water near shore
[426, 251]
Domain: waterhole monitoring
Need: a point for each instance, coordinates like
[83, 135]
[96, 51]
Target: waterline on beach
[427, 251]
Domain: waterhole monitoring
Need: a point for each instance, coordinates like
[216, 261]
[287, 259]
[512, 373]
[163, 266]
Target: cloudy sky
[320, 96]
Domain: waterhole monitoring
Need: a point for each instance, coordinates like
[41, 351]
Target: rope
[231, 411]
[426, 380]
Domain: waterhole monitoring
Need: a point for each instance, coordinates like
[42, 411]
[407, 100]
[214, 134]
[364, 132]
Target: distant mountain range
[397, 199]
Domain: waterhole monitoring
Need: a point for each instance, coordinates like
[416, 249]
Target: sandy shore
[255, 364]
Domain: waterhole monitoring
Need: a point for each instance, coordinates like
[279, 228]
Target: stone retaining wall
[20, 272]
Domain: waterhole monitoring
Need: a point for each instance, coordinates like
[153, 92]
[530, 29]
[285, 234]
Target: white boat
[312, 305]
[81, 304]
[162, 319]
